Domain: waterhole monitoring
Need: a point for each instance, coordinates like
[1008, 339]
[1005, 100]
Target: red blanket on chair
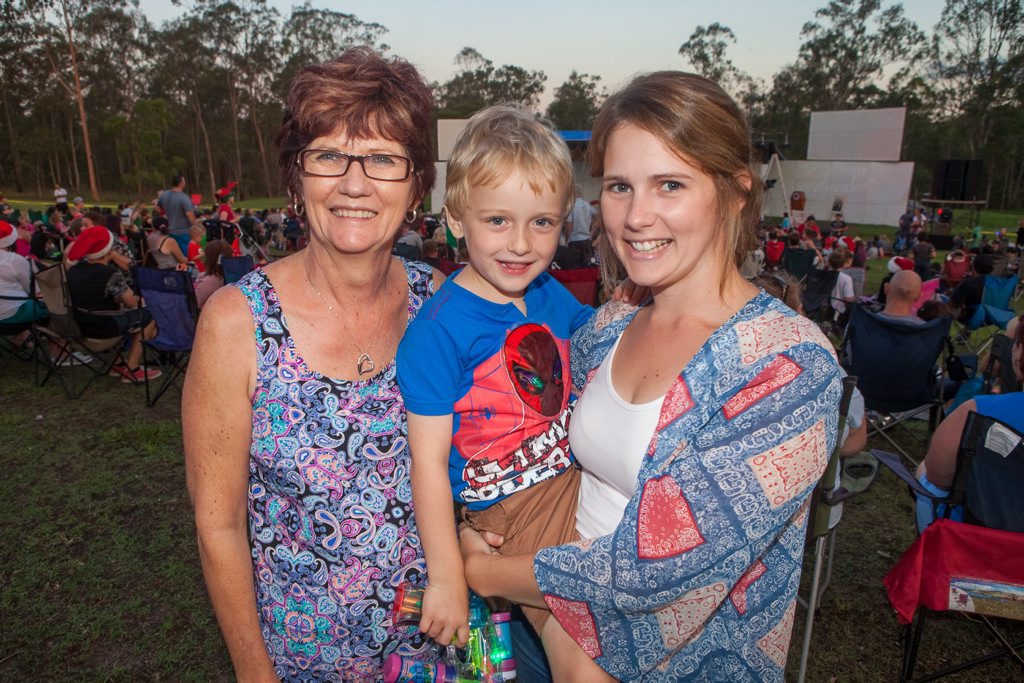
[962, 567]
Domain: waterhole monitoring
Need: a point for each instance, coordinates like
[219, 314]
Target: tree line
[97, 98]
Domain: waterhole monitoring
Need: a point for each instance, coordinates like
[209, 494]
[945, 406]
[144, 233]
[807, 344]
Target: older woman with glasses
[295, 432]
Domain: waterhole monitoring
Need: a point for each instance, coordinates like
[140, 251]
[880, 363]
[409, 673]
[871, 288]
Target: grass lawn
[102, 579]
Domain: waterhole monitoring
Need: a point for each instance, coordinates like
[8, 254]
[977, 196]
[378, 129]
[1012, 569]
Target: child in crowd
[484, 368]
[195, 246]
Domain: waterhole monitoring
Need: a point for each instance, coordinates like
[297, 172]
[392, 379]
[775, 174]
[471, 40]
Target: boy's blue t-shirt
[504, 378]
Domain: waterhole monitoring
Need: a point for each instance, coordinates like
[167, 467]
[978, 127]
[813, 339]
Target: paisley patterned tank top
[330, 504]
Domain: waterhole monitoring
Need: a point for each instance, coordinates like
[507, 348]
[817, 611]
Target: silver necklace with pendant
[364, 364]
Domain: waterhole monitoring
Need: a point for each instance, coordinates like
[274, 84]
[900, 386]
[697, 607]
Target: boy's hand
[630, 292]
[446, 612]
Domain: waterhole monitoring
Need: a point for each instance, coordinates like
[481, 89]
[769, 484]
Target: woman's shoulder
[226, 318]
[593, 339]
[766, 326]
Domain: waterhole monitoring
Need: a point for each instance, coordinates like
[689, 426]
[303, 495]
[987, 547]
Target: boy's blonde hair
[499, 140]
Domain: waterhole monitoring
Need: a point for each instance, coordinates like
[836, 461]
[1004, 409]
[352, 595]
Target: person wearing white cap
[96, 285]
[15, 283]
[16, 287]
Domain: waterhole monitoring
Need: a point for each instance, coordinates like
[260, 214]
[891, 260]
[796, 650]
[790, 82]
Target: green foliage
[576, 102]
[480, 84]
[221, 70]
[976, 58]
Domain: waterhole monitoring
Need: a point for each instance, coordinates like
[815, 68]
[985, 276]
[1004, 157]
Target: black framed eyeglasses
[328, 163]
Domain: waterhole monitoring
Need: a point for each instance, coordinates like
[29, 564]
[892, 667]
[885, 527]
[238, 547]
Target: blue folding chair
[171, 299]
[993, 313]
[235, 267]
[897, 369]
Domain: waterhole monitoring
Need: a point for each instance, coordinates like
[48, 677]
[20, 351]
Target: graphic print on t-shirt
[514, 417]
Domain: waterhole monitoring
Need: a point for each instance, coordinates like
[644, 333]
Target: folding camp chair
[798, 262]
[998, 370]
[817, 296]
[858, 274]
[896, 364]
[582, 282]
[955, 269]
[992, 314]
[841, 480]
[409, 252]
[171, 299]
[61, 332]
[236, 267]
[972, 566]
[448, 267]
[8, 349]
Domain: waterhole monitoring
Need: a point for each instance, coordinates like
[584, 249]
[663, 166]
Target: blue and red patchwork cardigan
[699, 580]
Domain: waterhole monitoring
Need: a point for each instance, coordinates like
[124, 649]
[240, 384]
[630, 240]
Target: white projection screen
[447, 133]
[858, 135]
[871, 192]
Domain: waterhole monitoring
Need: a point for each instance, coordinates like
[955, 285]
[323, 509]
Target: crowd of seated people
[98, 248]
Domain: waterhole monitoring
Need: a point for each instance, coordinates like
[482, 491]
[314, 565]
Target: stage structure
[853, 167]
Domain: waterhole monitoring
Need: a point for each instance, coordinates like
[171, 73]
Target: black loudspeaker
[941, 242]
[957, 179]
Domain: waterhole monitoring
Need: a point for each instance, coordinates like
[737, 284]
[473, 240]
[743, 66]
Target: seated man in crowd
[901, 293]
[96, 285]
[895, 265]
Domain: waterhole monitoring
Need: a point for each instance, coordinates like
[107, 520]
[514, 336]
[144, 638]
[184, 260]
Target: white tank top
[609, 437]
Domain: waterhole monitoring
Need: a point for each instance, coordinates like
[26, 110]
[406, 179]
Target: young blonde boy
[484, 368]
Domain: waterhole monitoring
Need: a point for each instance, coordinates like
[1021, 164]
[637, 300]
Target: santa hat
[8, 235]
[224, 192]
[898, 263]
[94, 243]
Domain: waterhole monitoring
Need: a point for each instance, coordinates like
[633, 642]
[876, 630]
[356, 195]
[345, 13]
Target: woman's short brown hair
[696, 119]
[367, 95]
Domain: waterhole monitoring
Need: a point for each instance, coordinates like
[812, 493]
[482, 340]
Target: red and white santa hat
[8, 235]
[93, 243]
[898, 263]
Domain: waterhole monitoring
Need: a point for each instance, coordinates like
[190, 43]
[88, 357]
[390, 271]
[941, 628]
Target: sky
[613, 39]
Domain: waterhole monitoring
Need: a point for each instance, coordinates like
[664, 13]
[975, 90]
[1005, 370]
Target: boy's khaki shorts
[538, 517]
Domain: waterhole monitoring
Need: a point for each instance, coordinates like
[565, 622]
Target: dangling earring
[297, 206]
[411, 219]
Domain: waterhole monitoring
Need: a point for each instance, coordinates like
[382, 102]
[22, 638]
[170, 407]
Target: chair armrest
[104, 314]
[894, 463]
